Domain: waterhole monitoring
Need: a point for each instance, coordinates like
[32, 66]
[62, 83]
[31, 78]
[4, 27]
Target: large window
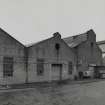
[40, 67]
[8, 66]
[70, 67]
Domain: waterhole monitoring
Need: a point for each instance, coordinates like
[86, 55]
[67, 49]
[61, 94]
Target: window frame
[70, 67]
[8, 66]
[40, 66]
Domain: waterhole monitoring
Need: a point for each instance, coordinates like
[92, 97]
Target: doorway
[56, 72]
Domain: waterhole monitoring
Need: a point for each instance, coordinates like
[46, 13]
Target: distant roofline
[31, 44]
[101, 42]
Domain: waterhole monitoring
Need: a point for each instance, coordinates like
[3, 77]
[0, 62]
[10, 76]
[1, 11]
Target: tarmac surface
[88, 92]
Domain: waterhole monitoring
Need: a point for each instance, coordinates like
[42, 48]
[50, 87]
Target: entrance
[56, 72]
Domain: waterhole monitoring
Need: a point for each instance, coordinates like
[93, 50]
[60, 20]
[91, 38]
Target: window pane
[8, 66]
[70, 68]
[40, 66]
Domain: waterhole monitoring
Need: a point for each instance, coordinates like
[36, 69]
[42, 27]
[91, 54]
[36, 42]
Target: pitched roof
[74, 41]
[101, 45]
[32, 44]
[57, 34]
[11, 37]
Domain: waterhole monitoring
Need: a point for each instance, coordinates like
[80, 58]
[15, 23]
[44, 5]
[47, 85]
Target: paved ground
[68, 94]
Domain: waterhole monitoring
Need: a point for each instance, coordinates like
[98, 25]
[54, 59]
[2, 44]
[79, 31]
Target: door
[56, 72]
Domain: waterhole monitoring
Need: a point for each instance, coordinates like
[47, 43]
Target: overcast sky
[35, 20]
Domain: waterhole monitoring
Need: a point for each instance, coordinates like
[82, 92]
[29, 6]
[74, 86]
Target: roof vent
[57, 34]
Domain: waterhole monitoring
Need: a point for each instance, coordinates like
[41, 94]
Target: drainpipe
[26, 63]
[57, 46]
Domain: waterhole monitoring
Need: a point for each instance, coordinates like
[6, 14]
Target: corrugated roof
[75, 40]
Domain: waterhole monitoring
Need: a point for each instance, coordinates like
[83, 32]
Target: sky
[34, 20]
